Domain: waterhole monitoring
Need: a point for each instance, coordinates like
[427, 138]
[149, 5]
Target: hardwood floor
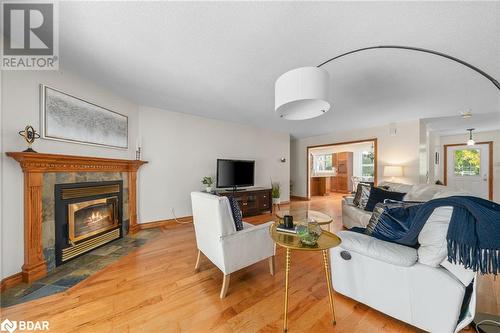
[156, 289]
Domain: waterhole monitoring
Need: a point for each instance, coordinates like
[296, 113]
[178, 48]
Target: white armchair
[218, 240]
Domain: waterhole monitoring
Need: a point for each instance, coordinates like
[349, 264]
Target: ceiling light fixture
[471, 141]
[466, 114]
[303, 93]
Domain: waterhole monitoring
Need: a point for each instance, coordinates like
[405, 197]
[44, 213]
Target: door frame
[490, 163]
[375, 160]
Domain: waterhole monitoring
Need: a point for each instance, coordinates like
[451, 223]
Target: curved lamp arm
[489, 77]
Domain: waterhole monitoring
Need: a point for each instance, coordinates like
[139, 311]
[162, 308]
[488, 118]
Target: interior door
[468, 168]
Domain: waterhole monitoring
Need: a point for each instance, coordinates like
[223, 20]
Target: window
[322, 163]
[367, 165]
[467, 162]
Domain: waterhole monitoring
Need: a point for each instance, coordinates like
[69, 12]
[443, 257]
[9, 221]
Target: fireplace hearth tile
[34, 287]
[73, 272]
[104, 251]
[70, 281]
[45, 290]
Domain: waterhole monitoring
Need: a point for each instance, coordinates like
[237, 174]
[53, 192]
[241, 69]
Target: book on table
[281, 228]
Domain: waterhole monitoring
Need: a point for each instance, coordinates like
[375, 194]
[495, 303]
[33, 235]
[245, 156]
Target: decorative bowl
[309, 233]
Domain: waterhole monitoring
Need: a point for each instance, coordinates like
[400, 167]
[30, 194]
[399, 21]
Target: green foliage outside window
[467, 162]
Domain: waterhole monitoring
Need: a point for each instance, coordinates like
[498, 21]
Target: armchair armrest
[249, 231]
[391, 253]
[246, 247]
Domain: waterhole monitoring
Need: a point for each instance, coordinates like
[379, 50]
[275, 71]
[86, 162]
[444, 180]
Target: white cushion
[372, 247]
[397, 187]
[433, 247]
[422, 192]
[449, 192]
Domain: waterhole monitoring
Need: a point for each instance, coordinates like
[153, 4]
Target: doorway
[470, 168]
[338, 167]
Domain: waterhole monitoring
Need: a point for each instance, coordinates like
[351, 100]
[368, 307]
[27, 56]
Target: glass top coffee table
[302, 216]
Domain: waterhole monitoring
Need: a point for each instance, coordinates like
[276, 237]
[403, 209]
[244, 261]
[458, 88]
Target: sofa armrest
[391, 253]
[348, 200]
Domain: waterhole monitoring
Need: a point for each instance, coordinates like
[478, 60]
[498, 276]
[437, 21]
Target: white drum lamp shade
[302, 93]
[393, 171]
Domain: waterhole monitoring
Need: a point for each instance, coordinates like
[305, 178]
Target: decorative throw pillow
[383, 206]
[365, 195]
[235, 210]
[359, 190]
[391, 221]
[379, 195]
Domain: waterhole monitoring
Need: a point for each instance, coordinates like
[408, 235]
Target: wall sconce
[393, 130]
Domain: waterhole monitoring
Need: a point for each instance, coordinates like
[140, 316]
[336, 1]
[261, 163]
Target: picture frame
[67, 118]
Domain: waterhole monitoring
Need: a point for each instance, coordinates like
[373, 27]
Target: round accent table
[291, 242]
[303, 216]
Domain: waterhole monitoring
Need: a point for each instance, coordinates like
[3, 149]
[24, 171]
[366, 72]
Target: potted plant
[207, 181]
[275, 193]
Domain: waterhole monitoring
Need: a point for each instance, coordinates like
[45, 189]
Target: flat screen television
[235, 173]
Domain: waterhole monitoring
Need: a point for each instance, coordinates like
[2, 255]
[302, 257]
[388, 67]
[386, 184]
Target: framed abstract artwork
[68, 118]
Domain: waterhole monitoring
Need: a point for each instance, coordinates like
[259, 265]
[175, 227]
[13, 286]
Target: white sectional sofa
[417, 286]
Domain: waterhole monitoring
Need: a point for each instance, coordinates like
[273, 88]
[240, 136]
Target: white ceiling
[457, 125]
[221, 59]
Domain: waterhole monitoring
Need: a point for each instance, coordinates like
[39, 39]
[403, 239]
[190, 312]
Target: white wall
[19, 107]
[401, 149]
[478, 137]
[181, 149]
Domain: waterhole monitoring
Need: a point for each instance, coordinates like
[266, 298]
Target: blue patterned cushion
[235, 210]
[387, 205]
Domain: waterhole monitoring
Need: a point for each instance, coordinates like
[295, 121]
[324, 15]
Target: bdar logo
[8, 325]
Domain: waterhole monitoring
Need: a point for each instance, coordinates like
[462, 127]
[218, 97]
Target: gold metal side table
[291, 242]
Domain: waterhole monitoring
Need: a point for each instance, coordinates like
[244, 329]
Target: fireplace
[88, 215]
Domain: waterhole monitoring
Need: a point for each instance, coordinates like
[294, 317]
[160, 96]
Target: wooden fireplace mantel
[34, 165]
[36, 162]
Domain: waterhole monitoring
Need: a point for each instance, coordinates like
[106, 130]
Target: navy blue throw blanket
[473, 234]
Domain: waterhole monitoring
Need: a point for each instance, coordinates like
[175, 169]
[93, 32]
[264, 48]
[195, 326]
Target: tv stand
[236, 189]
[252, 201]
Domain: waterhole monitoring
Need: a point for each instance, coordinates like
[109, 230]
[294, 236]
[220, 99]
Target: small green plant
[207, 181]
[275, 190]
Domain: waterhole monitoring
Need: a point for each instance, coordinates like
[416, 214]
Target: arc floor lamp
[303, 93]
